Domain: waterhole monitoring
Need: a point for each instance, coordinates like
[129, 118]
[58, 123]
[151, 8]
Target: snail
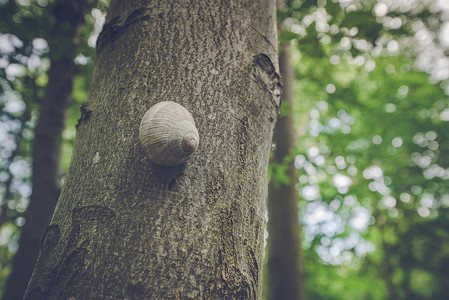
[168, 134]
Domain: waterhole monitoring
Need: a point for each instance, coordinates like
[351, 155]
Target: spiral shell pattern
[168, 134]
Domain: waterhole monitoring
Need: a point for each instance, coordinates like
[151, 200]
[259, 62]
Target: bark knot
[85, 114]
[270, 77]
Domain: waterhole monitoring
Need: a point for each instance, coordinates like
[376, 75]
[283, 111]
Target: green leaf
[357, 18]
[287, 35]
[285, 110]
[311, 30]
[333, 8]
[282, 15]
[279, 174]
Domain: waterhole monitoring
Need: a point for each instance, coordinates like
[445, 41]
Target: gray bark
[127, 228]
[285, 274]
[69, 17]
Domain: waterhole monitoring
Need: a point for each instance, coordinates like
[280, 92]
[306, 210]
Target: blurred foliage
[373, 167]
[372, 156]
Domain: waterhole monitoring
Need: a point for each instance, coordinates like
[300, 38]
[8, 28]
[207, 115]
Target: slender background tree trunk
[127, 228]
[285, 275]
[69, 16]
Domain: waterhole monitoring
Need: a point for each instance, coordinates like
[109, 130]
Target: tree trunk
[285, 278]
[125, 227]
[46, 144]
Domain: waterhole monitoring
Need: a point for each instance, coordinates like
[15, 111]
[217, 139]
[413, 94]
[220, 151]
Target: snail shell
[168, 134]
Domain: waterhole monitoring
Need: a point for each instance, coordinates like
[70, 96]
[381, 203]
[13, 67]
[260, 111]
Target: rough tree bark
[69, 16]
[285, 275]
[127, 228]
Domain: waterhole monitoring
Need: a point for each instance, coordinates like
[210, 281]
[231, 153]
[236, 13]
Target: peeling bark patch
[50, 238]
[215, 188]
[242, 141]
[263, 61]
[228, 281]
[92, 213]
[85, 114]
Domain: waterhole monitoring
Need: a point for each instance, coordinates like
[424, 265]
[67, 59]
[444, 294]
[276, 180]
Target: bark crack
[242, 142]
[215, 188]
[228, 282]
